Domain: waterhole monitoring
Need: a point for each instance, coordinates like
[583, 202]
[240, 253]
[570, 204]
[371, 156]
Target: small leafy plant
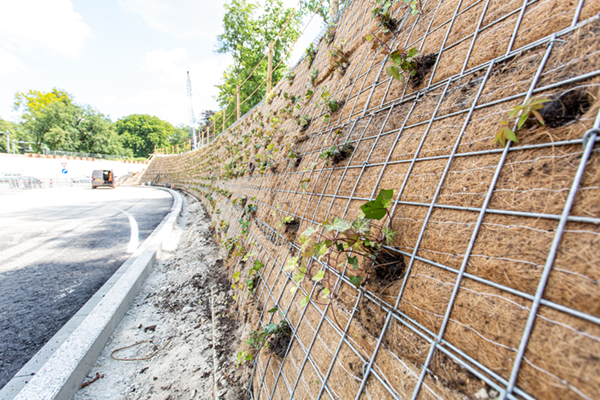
[330, 33]
[288, 219]
[311, 53]
[339, 59]
[336, 153]
[332, 105]
[309, 94]
[290, 77]
[520, 114]
[314, 74]
[303, 122]
[273, 336]
[403, 62]
[342, 241]
[383, 14]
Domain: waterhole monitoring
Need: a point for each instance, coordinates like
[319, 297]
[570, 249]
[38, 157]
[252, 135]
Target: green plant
[308, 94]
[271, 97]
[342, 241]
[330, 33]
[336, 153]
[261, 338]
[332, 105]
[339, 59]
[252, 278]
[290, 77]
[311, 53]
[521, 114]
[314, 74]
[382, 13]
[303, 121]
[288, 219]
[403, 62]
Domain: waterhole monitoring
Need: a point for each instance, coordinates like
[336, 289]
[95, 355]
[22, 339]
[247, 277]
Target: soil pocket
[279, 342]
[424, 65]
[566, 108]
[389, 266]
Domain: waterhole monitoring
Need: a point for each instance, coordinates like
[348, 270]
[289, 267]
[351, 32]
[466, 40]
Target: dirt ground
[173, 316]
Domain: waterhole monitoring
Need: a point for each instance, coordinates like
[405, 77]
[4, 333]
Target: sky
[120, 56]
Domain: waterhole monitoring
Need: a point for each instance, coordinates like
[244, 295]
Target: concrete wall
[51, 168]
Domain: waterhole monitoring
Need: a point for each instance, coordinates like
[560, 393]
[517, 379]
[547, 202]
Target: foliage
[330, 33]
[311, 53]
[248, 28]
[403, 62]
[314, 74]
[142, 132]
[339, 59]
[303, 120]
[308, 95]
[260, 338]
[55, 120]
[521, 114]
[336, 151]
[286, 220]
[332, 105]
[341, 241]
[381, 11]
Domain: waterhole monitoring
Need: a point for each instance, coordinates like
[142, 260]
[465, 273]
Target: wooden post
[237, 98]
[270, 68]
[334, 6]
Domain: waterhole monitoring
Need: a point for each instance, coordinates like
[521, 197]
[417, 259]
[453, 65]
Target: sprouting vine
[311, 53]
[341, 241]
[520, 114]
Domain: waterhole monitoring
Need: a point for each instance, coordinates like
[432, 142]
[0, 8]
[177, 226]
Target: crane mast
[192, 117]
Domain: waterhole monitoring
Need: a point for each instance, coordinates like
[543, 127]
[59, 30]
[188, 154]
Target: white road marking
[134, 238]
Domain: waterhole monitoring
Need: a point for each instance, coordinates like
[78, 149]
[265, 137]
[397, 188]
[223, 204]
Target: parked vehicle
[103, 178]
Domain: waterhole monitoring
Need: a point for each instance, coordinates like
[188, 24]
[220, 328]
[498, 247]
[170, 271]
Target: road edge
[65, 369]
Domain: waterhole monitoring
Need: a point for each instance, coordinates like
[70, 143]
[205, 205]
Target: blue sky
[120, 56]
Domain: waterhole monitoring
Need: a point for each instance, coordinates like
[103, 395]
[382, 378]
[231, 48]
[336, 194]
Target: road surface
[57, 248]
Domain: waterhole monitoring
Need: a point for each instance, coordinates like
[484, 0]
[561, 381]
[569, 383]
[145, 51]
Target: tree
[16, 133]
[142, 132]
[53, 119]
[247, 34]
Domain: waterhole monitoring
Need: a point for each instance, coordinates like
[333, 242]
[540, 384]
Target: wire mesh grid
[500, 244]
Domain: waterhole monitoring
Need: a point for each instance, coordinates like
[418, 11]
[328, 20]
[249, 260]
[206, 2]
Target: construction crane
[192, 116]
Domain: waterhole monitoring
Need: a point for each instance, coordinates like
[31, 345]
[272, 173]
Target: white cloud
[28, 25]
[179, 18]
[9, 63]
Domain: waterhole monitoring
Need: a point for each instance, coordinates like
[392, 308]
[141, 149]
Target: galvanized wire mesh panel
[500, 244]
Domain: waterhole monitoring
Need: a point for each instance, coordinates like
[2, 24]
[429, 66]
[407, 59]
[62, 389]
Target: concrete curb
[59, 368]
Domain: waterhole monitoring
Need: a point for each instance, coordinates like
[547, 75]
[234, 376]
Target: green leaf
[319, 276]
[389, 234]
[394, 73]
[338, 225]
[361, 225]
[291, 263]
[369, 37]
[396, 57]
[376, 209]
[355, 280]
[320, 249]
[304, 301]
[236, 276]
[325, 293]
[272, 310]
[309, 231]
[339, 247]
[353, 261]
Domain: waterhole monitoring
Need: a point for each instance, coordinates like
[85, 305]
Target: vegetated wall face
[500, 286]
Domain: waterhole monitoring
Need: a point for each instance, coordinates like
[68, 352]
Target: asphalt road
[57, 248]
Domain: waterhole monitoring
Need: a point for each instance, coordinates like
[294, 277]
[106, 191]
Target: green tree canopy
[248, 29]
[55, 120]
[142, 132]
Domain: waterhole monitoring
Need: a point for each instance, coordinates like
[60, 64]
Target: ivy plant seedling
[403, 62]
[520, 114]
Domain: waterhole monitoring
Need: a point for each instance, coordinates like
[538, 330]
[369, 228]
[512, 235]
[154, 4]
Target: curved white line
[134, 238]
